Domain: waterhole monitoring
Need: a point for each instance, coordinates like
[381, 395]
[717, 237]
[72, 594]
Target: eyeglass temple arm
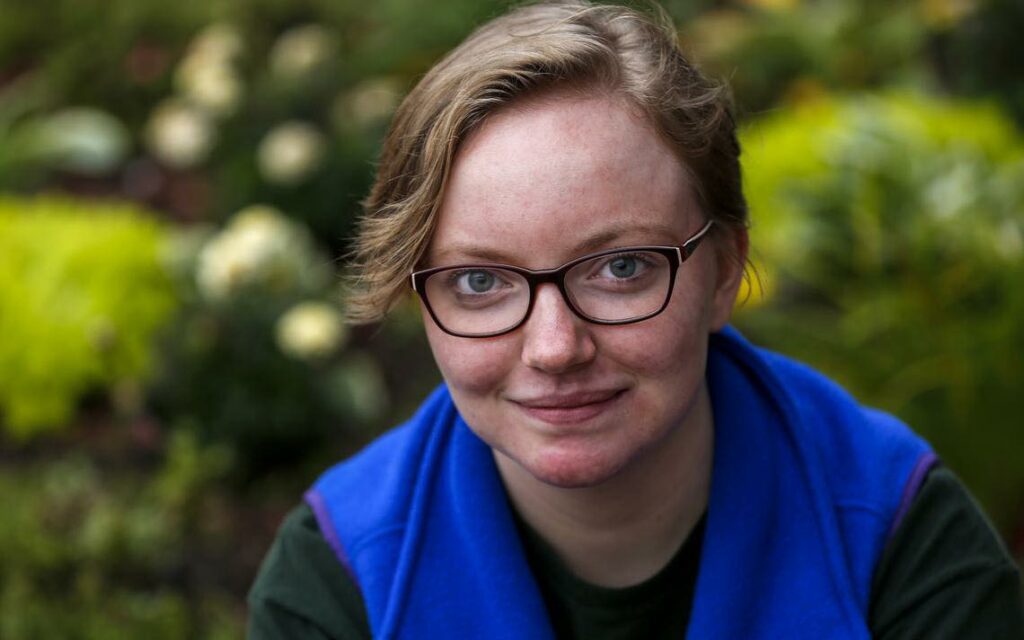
[691, 245]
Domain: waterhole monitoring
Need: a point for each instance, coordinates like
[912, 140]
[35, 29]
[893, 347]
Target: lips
[566, 409]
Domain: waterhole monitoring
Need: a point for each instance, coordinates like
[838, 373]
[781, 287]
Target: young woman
[607, 458]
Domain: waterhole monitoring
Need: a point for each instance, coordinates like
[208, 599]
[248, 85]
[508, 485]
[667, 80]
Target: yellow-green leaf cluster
[890, 230]
[82, 293]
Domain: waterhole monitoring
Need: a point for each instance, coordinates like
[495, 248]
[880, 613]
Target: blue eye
[625, 266]
[622, 266]
[476, 281]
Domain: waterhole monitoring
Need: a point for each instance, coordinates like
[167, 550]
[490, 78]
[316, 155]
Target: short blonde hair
[542, 47]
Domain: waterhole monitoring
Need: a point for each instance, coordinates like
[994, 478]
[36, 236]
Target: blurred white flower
[223, 267]
[259, 248]
[310, 331]
[219, 41]
[82, 139]
[180, 135]
[210, 83]
[301, 50]
[369, 102]
[290, 152]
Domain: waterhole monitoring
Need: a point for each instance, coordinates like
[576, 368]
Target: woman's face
[540, 183]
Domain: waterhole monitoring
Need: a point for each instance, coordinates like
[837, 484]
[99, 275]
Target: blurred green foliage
[109, 553]
[773, 50]
[979, 55]
[889, 232]
[82, 294]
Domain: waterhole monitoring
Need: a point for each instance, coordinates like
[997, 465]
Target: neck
[624, 530]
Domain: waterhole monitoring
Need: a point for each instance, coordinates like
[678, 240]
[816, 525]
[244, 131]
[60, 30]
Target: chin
[572, 469]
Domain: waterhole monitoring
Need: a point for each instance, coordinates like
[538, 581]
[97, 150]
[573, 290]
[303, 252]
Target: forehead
[543, 181]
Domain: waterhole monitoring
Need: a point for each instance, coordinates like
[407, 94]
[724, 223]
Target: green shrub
[890, 233]
[81, 295]
[259, 359]
[115, 551]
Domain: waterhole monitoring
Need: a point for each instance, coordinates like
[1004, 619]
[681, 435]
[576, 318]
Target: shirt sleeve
[945, 573]
[302, 590]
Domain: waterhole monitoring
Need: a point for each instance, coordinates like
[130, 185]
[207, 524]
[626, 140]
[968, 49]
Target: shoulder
[945, 572]
[372, 489]
[305, 587]
[859, 446]
[301, 590]
[860, 449]
[863, 466]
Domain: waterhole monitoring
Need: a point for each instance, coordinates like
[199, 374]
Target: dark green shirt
[944, 574]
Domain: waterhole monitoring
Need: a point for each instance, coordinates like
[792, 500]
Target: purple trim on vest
[914, 482]
[323, 518]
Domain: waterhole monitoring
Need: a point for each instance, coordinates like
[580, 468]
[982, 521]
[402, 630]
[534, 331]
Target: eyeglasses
[618, 286]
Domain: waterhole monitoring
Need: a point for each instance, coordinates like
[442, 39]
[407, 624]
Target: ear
[731, 248]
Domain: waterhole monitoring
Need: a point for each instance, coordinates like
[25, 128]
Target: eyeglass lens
[609, 288]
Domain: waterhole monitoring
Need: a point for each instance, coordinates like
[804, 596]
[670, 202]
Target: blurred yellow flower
[368, 103]
[260, 247]
[179, 134]
[301, 50]
[209, 83]
[290, 152]
[310, 331]
[219, 41]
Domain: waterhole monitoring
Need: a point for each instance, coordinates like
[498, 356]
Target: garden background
[178, 184]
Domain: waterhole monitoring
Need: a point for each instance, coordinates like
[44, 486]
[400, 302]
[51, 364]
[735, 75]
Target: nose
[555, 340]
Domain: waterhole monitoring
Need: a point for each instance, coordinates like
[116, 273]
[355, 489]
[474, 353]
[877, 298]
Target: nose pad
[555, 339]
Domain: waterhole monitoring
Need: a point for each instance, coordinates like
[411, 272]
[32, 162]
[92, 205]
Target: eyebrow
[604, 239]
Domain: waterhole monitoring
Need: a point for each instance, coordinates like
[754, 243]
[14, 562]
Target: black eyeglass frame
[676, 254]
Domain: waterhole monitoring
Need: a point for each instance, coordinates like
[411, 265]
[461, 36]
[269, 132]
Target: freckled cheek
[666, 359]
[659, 346]
[662, 357]
[476, 366]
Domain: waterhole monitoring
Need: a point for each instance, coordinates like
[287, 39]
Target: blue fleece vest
[806, 488]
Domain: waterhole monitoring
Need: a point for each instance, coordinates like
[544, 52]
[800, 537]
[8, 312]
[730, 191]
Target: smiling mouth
[571, 409]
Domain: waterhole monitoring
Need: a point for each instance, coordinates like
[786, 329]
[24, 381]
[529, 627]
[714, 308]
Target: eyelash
[639, 256]
[454, 276]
